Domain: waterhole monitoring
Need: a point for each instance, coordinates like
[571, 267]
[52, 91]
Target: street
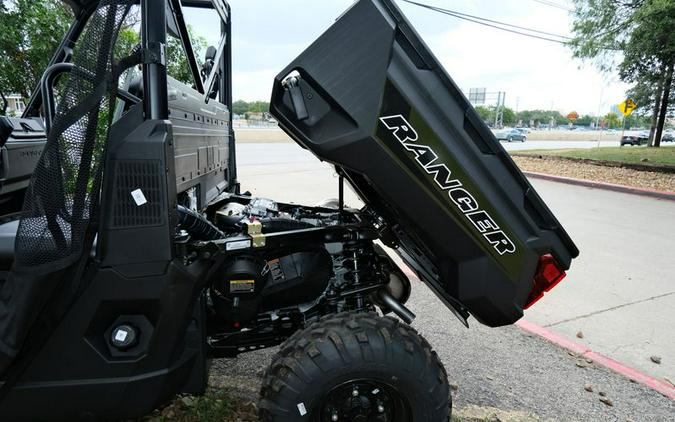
[618, 296]
[276, 135]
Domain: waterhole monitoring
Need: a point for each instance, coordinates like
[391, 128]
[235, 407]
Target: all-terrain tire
[355, 349]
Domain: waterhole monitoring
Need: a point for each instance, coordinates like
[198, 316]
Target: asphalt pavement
[505, 368]
[618, 296]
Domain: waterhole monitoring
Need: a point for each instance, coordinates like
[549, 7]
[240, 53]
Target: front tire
[355, 366]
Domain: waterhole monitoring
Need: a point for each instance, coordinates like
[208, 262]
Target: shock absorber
[360, 261]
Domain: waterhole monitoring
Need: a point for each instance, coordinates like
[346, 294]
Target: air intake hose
[197, 225]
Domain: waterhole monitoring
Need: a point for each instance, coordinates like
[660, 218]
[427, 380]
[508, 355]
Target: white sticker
[301, 409]
[121, 335]
[239, 244]
[139, 198]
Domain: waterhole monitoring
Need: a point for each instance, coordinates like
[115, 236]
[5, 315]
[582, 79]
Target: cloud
[533, 73]
[253, 85]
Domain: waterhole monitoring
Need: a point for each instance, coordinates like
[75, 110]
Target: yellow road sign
[627, 107]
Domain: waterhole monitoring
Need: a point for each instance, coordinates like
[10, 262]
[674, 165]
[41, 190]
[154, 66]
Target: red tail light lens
[548, 275]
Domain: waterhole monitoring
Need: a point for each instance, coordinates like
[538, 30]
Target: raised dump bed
[369, 97]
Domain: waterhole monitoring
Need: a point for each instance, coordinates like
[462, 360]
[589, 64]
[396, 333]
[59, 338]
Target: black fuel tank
[370, 97]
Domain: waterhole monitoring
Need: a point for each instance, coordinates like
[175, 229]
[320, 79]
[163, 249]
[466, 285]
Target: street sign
[627, 107]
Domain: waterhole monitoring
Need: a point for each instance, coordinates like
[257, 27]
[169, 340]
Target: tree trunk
[664, 104]
[655, 113]
[5, 104]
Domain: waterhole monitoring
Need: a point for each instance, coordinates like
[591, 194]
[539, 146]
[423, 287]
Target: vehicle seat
[7, 238]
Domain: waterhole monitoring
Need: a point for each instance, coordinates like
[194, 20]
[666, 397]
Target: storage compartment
[369, 97]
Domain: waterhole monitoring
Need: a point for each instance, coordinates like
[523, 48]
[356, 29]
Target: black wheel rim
[364, 400]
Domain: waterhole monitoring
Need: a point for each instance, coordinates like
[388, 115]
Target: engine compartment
[278, 267]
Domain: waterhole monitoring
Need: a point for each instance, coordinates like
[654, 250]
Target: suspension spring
[360, 260]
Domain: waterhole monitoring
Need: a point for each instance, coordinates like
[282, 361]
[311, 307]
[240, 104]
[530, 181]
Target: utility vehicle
[138, 256]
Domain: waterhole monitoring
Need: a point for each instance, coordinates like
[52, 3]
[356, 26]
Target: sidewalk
[619, 293]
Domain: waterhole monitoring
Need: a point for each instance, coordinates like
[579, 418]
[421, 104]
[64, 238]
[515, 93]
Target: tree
[586, 120]
[176, 60]
[612, 120]
[509, 117]
[486, 114]
[30, 32]
[241, 107]
[635, 38]
[541, 117]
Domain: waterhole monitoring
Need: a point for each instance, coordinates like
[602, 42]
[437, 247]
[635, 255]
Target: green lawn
[627, 154]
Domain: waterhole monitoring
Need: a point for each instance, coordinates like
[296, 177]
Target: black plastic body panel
[201, 135]
[18, 158]
[133, 277]
[73, 377]
[383, 110]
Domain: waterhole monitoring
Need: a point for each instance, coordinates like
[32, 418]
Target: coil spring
[360, 259]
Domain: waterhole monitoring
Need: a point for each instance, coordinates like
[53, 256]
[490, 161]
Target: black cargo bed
[370, 97]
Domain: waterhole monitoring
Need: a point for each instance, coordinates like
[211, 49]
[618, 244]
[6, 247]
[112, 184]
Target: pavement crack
[608, 309]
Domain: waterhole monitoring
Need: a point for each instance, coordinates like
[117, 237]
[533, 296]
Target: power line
[492, 21]
[554, 4]
[484, 21]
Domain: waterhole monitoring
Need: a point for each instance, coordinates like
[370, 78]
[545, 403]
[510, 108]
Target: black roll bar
[47, 89]
[153, 40]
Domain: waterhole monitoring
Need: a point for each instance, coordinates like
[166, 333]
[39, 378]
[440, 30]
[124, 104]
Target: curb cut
[600, 359]
[668, 196]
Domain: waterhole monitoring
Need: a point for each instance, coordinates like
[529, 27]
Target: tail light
[548, 275]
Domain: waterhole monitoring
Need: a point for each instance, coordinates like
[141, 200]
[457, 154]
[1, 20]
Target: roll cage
[153, 38]
[153, 43]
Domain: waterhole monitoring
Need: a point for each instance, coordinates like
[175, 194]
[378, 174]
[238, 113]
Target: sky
[534, 74]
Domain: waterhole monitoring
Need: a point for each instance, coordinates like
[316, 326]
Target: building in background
[15, 104]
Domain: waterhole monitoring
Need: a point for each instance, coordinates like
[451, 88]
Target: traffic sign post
[626, 108]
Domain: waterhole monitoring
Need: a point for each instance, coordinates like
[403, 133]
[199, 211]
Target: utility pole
[597, 119]
[517, 103]
[499, 99]
[499, 109]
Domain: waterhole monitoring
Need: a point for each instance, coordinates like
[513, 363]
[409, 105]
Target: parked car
[668, 137]
[524, 130]
[511, 135]
[641, 138]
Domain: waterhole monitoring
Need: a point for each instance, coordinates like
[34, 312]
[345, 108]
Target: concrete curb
[668, 196]
[582, 351]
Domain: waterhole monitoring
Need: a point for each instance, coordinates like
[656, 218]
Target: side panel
[201, 135]
[18, 158]
[134, 280]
